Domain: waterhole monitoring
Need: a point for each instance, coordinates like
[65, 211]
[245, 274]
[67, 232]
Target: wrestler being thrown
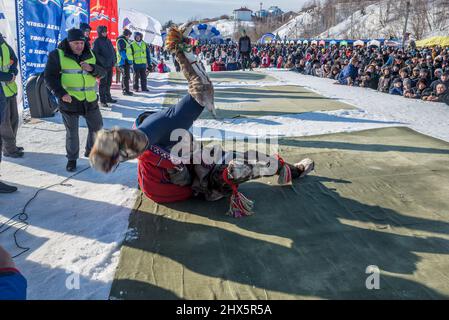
[165, 178]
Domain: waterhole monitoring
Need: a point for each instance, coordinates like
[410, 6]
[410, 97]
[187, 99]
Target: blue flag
[74, 13]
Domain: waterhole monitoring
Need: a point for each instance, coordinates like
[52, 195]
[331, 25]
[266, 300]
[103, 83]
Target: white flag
[138, 22]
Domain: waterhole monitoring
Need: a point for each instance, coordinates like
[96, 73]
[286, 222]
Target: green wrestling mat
[264, 101]
[250, 77]
[378, 197]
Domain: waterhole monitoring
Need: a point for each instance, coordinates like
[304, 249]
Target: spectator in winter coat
[443, 78]
[162, 67]
[106, 58]
[415, 76]
[349, 73]
[441, 94]
[280, 62]
[385, 81]
[407, 87]
[421, 91]
[396, 88]
[245, 50]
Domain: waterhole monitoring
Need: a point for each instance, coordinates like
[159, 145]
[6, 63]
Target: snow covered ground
[76, 227]
[373, 110]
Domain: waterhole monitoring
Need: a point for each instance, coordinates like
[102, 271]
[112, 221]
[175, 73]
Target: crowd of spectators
[415, 73]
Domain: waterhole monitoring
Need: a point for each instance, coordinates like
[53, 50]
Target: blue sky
[181, 10]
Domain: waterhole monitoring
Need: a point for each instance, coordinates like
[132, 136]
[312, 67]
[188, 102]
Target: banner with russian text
[39, 24]
[104, 13]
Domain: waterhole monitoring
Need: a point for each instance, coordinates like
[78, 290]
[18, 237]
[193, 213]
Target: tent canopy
[375, 43]
[359, 43]
[267, 38]
[205, 32]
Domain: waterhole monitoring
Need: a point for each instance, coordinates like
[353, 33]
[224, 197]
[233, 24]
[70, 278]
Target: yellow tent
[434, 41]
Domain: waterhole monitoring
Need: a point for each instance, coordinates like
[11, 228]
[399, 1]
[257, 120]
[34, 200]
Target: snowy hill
[368, 19]
[228, 27]
[375, 21]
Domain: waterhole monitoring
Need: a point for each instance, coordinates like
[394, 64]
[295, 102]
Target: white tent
[299, 42]
[314, 43]
[305, 42]
[359, 43]
[375, 43]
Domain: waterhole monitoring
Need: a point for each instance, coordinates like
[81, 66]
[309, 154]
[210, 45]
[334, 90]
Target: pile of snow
[229, 27]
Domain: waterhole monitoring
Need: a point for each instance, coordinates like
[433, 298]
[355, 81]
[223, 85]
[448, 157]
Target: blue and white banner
[75, 12]
[38, 23]
[41, 24]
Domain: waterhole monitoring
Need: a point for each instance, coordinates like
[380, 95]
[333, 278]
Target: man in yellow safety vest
[141, 54]
[71, 74]
[125, 59]
[10, 117]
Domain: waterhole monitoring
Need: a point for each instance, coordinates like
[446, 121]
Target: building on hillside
[243, 14]
[262, 13]
[275, 11]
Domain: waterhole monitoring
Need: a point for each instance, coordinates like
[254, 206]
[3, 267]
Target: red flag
[104, 13]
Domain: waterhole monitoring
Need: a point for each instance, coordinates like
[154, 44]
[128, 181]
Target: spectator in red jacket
[162, 67]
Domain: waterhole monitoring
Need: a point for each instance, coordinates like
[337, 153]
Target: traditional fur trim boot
[117, 145]
[200, 86]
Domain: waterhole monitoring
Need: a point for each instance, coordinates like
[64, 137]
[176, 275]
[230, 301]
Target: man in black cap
[70, 74]
[105, 53]
[125, 59]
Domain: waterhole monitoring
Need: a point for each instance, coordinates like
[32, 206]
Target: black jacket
[52, 76]
[245, 44]
[104, 50]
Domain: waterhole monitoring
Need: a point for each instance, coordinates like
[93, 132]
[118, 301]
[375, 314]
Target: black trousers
[125, 70]
[105, 86]
[9, 125]
[140, 75]
[246, 61]
[94, 122]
